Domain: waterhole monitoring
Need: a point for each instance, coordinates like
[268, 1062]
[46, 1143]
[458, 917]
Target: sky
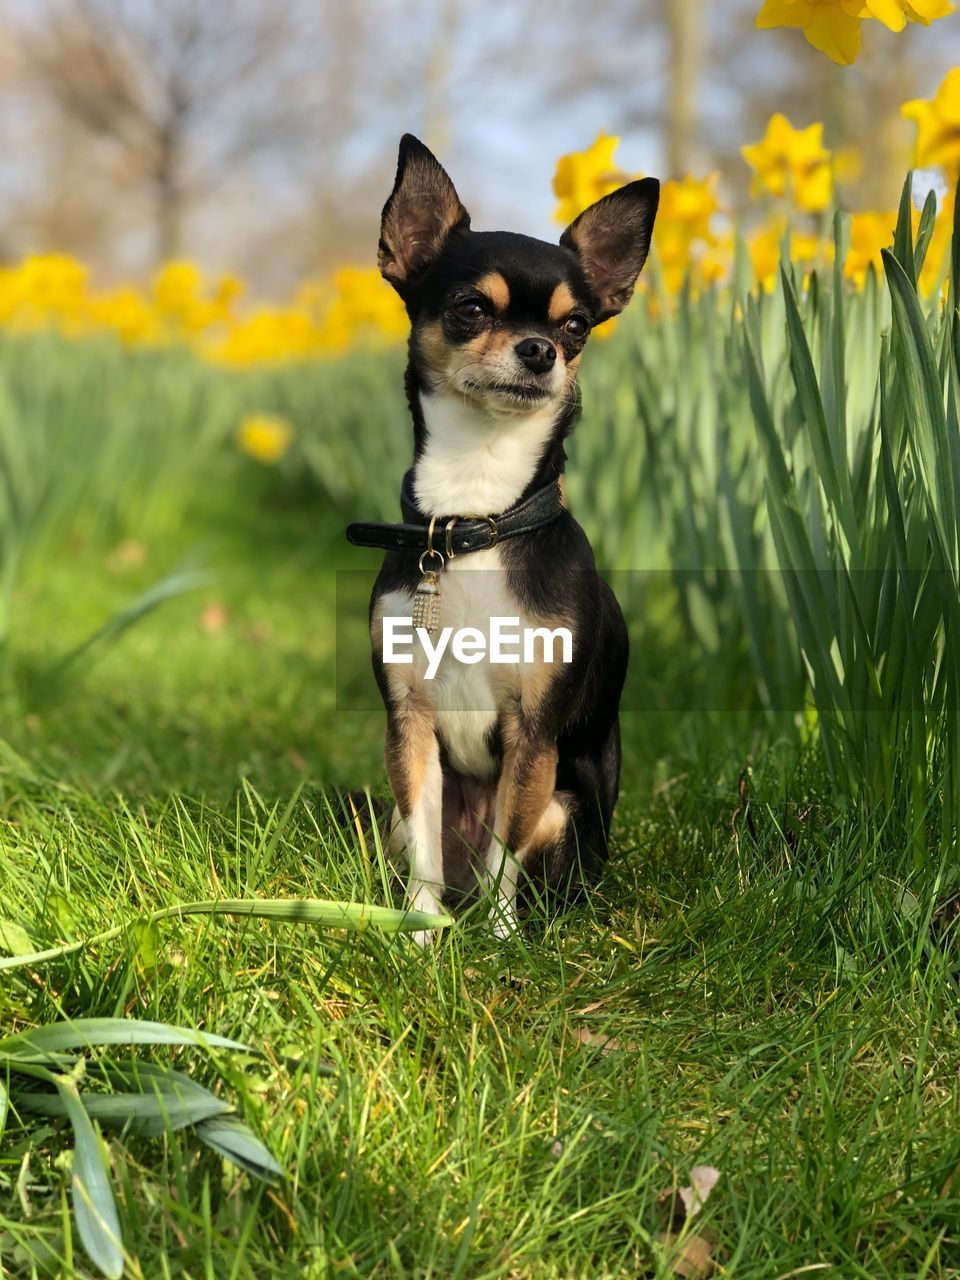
[510, 99]
[509, 152]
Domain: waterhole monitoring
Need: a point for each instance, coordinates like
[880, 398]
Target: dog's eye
[469, 309]
[575, 326]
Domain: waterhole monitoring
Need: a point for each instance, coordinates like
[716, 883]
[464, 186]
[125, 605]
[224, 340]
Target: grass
[766, 980]
[749, 988]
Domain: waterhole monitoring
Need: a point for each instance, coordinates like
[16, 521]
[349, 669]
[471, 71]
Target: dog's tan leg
[525, 794]
[413, 768]
[395, 847]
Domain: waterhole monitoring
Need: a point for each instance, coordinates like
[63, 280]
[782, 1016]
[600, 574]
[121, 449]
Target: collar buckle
[492, 524]
[487, 520]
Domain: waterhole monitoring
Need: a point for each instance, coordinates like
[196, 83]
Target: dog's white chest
[463, 695]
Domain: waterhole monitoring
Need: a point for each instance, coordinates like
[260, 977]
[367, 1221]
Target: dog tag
[426, 603]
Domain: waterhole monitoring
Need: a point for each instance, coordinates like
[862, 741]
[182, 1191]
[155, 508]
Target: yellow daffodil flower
[869, 233]
[938, 126]
[938, 251]
[690, 203]
[895, 14]
[684, 231]
[792, 162]
[833, 26]
[265, 437]
[765, 247]
[585, 176]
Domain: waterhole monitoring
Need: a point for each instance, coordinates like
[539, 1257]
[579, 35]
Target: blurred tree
[168, 98]
[687, 40]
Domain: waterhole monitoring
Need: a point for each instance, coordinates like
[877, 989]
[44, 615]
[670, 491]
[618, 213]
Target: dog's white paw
[503, 918]
[423, 898]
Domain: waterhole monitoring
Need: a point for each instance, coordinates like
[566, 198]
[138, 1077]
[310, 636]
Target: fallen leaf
[690, 1257]
[214, 618]
[597, 1040]
[127, 555]
[258, 632]
[689, 1253]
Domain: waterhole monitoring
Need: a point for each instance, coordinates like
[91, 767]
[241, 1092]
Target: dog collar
[457, 535]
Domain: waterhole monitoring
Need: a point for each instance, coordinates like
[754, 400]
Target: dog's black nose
[537, 354]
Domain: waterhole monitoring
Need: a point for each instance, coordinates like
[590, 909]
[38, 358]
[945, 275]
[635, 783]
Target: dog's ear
[423, 210]
[612, 238]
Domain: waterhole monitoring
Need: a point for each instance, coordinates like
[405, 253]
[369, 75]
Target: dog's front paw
[423, 898]
[503, 918]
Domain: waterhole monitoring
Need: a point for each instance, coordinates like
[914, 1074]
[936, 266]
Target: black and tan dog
[500, 772]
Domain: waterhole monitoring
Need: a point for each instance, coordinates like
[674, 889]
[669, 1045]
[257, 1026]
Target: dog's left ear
[423, 210]
[612, 238]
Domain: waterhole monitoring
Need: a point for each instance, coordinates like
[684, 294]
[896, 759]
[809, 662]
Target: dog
[504, 774]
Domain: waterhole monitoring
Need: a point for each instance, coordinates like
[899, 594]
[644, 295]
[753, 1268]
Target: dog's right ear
[423, 210]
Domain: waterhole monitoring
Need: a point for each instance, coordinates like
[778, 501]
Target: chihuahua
[504, 772]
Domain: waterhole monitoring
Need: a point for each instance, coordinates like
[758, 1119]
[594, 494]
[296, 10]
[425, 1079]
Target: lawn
[764, 981]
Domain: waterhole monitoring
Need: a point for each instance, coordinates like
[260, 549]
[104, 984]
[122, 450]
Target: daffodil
[690, 203]
[895, 14]
[766, 248]
[265, 437]
[585, 176]
[869, 233]
[49, 290]
[128, 314]
[938, 126]
[266, 335]
[792, 162]
[684, 230]
[362, 304]
[716, 263]
[833, 26]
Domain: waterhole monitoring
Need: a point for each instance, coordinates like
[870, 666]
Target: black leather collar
[457, 535]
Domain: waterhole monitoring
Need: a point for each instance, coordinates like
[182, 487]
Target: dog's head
[499, 319]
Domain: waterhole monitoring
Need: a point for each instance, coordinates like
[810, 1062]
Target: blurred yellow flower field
[181, 306]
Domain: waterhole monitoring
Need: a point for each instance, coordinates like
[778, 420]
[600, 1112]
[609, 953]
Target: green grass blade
[926, 421]
[94, 1206]
[150, 1113]
[903, 236]
[315, 911]
[91, 1033]
[928, 220]
[233, 1139]
[830, 465]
